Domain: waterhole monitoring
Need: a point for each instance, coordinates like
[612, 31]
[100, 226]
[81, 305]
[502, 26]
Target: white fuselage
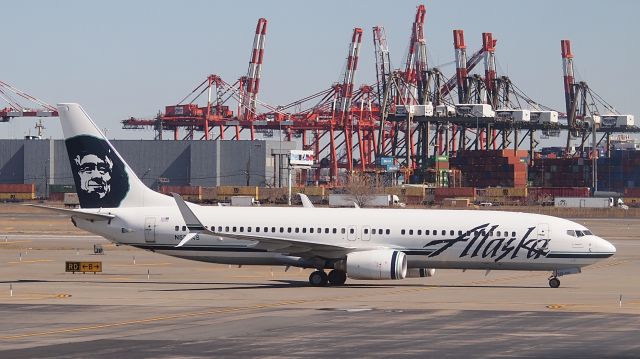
[464, 239]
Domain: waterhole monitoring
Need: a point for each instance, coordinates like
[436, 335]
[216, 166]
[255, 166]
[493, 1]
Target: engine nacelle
[377, 264]
[420, 272]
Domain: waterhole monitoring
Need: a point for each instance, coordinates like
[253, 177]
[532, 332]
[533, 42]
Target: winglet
[192, 222]
[306, 202]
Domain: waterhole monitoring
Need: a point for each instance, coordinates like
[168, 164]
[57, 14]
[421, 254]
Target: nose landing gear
[554, 282]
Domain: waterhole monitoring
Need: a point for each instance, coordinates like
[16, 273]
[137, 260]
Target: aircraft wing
[92, 216]
[275, 244]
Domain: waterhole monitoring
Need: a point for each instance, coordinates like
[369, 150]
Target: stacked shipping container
[505, 168]
[17, 191]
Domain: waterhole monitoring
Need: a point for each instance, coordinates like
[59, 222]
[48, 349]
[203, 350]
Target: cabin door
[150, 229]
[543, 230]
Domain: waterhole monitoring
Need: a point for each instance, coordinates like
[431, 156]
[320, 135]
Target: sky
[120, 59]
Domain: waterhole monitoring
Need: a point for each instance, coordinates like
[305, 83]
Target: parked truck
[244, 201]
[584, 202]
[376, 200]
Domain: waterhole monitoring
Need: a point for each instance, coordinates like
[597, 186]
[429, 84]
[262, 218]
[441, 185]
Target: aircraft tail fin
[102, 178]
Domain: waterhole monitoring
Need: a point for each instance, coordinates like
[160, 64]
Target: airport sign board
[301, 158]
[83, 267]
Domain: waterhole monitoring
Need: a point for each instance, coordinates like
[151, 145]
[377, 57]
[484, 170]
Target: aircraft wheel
[318, 278]
[337, 277]
[554, 282]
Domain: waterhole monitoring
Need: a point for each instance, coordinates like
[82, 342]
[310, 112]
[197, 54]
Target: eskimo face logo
[95, 174]
[99, 175]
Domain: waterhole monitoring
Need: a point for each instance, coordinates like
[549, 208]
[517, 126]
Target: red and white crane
[15, 109]
[251, 83]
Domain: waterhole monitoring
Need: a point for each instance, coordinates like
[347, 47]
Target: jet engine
[420, 272]
[377, 264]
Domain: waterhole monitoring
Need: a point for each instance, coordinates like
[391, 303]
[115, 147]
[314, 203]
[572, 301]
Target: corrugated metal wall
[195, 163]
[12, 161]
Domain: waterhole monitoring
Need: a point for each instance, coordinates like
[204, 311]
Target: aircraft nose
[607, 246]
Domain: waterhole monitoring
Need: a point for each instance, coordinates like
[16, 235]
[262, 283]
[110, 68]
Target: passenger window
[289, 230]
[426, 231]
[297, 230]
[334, 230]
[273, 229]
[281, 229]
[304, 229]
[459, 233]
[219, 228]
[257, 229]
[513, 234]
[177, 228]
[402, 232]
[373, 231]
[226, 229]
[444, 233]
[241, 229]
[388, 231]
[311, 230]
[235, 229]
[352, 231]
[248, 229]
[419, 232]
[343, 231]
[499, 233]
[366, 231]
[451, 232]
[411, 232]
[326, 230]
[184, 228]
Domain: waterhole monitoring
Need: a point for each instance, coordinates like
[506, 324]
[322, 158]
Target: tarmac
[147, 305]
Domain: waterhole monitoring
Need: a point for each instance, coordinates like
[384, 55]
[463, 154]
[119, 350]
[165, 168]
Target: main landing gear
[554, 282]
[320, 278]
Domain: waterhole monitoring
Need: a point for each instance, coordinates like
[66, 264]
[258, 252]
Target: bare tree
[361, 187]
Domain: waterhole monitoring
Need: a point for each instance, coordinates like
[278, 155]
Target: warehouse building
[180, 163]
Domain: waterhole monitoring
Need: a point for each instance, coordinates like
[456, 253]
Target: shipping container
[62, 188]
[456, 202]
[238, 191]
[544, 116]
[475, 110]
[513, 115]
[17, 188]
[17, 196]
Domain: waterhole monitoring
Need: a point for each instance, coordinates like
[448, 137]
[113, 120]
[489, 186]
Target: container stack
[499, 168]
[561, 172]
[620, 171]
[15, 192]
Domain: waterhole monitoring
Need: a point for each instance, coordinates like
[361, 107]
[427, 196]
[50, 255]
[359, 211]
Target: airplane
[355, 243]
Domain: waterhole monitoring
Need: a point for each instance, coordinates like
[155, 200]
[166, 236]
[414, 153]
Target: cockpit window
[579, 233]
[571, 233]
[587, 233]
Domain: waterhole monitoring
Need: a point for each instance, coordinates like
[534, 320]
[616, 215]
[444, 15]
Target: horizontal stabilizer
[77, 213]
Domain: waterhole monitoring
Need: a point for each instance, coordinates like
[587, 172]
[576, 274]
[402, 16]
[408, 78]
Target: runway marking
[119, 278]
[14, 242]
[32, 261]
[36, 296]
[154, 319]
[142, 264]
